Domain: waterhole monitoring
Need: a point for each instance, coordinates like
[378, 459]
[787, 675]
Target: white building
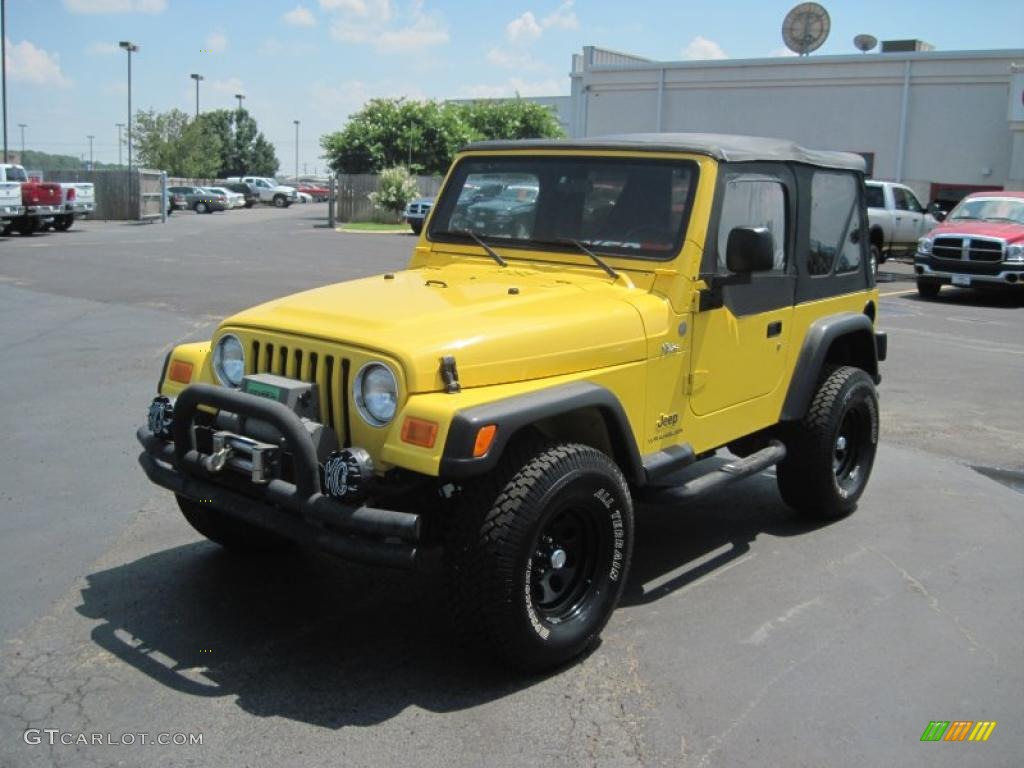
[943, 122]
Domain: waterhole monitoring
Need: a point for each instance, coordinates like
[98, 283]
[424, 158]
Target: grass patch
[370, 226]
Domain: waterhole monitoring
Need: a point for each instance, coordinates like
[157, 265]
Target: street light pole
[130, 48]
[119, 127]
[90, 137]
[296, 150]
[239, 96]
[3, 64]
[23, 126]
[197, 78]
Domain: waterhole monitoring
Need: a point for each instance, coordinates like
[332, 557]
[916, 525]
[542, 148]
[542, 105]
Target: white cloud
[102, 49]
[517, 60]
[116, 6]
[563, 18]
[523, 28]
[377, 10]
[299, 17]
[216, 42]
[28, 64]
[231, 85]
[781, 52]
[514, 86]
[702, 48]
[273, 47]
[418, 31]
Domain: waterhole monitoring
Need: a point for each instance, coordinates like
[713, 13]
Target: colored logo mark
[958, 730]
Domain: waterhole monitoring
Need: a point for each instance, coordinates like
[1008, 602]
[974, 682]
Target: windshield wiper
[464, 232]
[597, 259]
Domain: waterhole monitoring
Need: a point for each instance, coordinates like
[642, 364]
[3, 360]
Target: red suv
[980, 243]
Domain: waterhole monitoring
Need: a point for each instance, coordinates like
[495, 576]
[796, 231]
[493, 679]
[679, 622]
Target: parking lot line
[897, 293]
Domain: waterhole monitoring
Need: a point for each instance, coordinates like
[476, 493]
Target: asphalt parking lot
[746, 637]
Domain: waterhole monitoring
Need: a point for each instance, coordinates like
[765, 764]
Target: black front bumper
[295, 510]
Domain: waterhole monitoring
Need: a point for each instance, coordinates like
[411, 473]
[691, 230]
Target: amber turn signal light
[180, 372]
[484, 438]
[419, 432]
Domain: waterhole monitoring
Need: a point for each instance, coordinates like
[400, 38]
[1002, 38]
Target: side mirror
[750, 249]
[937, 213]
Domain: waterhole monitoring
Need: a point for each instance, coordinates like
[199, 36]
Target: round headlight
[375, 391]
[229, 361]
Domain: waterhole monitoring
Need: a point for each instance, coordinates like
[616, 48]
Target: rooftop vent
[906, 46]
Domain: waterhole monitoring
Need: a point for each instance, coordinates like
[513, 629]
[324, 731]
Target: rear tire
[830, 453]
[63, 223]
[225, 530]
[27, 226]
[876, 258]
[538, 554]
[928, 289]
[416, 227]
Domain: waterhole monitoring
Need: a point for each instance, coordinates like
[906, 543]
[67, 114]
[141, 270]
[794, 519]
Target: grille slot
[329, 373]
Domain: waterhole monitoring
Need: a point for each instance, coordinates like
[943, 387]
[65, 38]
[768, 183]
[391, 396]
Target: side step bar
[727, 474]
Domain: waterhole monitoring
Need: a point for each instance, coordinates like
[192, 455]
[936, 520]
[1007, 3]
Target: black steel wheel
[538, 554]
[928, 289]
[831, 452]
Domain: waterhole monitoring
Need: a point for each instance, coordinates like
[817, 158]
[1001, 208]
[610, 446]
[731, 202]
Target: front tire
[830, 453]
[202, 207]
[928, 289]
[280, 201]
[416, 227]
[539, 553]
[225, 530]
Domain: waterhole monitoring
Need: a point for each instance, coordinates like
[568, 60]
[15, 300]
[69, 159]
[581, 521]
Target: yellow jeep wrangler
[580, 320]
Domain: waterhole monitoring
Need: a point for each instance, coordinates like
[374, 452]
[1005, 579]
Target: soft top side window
[835, 224]
[753, 200]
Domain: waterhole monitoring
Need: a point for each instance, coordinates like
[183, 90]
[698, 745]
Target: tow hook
[215, 462]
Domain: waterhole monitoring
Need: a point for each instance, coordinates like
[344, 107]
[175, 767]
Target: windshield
[989, 209]
[615, 206]
[16, 174]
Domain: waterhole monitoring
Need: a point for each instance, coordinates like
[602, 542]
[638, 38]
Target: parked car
[250, 195]
[495, 410]
[176, 201]
[199, 200]
[304, 197]
[235, 200]
[79, 200]
[269, 190]
[416, 213]
[318, 193]
[896, 219]
[980, 243]
[508, 214]
[41, 201]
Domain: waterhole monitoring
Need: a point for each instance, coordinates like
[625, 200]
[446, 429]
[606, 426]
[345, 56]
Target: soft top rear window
[616, 206]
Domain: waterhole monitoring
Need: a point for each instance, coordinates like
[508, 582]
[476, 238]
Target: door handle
[774, 329]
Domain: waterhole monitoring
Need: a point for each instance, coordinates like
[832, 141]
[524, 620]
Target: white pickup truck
[10, 203]
[896, 220]
[269, 190]
[40, 201]
[78, 199]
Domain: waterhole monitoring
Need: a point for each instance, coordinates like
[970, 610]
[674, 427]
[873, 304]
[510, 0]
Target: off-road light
[375, 391]
[229, 361]
[348, 473]
[160, 419]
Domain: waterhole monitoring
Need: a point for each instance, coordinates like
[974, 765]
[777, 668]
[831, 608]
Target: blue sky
[317, 61]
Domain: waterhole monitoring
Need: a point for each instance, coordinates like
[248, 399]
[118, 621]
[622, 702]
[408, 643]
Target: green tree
[511, 119]
[174, 142]
[243, 149]
[397, 187]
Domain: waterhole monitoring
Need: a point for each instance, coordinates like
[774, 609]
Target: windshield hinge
[450, 375]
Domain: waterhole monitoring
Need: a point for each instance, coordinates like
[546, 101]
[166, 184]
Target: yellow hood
[500, 324]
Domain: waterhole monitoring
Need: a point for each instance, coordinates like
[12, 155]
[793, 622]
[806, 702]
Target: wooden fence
[119, 196]
[354, 197]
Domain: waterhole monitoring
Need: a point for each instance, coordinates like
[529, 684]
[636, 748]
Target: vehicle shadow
[997, 298]
[320, 641]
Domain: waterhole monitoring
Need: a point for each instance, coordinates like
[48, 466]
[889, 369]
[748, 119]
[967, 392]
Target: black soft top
[721, 146]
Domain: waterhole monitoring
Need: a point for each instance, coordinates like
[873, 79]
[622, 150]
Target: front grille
[977, 249]
[329, 372]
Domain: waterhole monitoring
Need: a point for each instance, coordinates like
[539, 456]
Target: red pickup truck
[42, 201]
[980, 243]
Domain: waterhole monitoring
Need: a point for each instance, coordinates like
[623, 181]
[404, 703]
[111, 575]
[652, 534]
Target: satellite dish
[865, 43]
[805, 28]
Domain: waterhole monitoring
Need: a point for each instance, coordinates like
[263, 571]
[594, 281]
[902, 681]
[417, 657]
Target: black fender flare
[870, 348]
[515, 413]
